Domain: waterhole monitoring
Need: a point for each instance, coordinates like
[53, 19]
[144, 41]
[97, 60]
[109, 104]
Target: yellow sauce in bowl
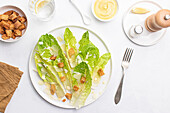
[105, 9]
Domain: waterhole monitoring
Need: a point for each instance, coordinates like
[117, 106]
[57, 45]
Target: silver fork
[125, 64]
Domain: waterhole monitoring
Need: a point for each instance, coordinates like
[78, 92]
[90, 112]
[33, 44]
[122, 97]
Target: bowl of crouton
[13, 23]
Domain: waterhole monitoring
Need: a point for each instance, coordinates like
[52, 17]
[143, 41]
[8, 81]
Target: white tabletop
[147, 81]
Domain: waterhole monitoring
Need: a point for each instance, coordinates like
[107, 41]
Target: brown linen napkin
[9, 79]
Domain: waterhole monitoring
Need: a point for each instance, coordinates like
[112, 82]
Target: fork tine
[130, 55]
[124, 57]
[127, 56]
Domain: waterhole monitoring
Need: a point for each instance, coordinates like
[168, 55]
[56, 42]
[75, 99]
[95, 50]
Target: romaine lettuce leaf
[70, 42]
[88, 51]
[85, 39]
[47, 47]
[103, 60]
[79, 97]
[48, 76]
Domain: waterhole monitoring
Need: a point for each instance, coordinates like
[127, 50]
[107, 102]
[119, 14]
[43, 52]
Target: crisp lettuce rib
[70, 42]
[103, 60]
[47, 75]
[47, 47]
[79, 97]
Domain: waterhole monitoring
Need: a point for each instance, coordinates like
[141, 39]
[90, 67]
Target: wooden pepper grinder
[158, 21]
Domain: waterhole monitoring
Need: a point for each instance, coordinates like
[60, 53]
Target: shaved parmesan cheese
[63, 47]
[59, 39]
[40, 82]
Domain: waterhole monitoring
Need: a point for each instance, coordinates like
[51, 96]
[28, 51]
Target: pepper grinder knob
[167, 17]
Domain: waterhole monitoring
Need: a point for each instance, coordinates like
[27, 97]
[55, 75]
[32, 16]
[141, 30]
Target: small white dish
[129, 19]
[21, 13]
[92, 8]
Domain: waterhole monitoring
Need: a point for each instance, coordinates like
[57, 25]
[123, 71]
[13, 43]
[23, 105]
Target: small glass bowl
[46, 12]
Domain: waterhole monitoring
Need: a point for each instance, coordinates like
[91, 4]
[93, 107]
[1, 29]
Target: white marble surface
[147, 81]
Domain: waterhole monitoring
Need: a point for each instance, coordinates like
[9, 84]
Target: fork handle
[119, 90]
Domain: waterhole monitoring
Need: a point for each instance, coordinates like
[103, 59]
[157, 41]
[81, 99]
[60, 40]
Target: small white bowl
[92, 8]
[3, 9]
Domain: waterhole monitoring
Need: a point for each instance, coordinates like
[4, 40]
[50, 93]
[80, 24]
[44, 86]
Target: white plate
[98, 91]
[3, 9]
[147, 38]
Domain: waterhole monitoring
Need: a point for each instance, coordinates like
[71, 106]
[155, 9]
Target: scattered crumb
[93, 88]
[103, 82]
[59, 98]
[47, 85]
[92, 92]
[63, 100]
[47, 91]
[59, 39]
[100, 92]
[40, 82]
[94, 96]
[35, 70]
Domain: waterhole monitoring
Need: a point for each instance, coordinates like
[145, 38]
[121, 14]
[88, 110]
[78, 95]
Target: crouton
[12, 27]
[9, 22]
[60, 65]
[5, 37]
[13, 16]
[22, 19]
[22, 27]
[100, 72]
[4, 24]
[13, 35]
[63, 78]
[71, 52]
[52, 89]
[17, 33]
[52, 57]
[8, 12]
[83, 80]
[9, 33]
[68, 96]
[14, 12]
[17, 24]
[2, 30]
[4, 17]
[14, 20]
[75, 88]
[18, 17]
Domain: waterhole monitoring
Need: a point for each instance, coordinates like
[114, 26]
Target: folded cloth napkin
[9, 80]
